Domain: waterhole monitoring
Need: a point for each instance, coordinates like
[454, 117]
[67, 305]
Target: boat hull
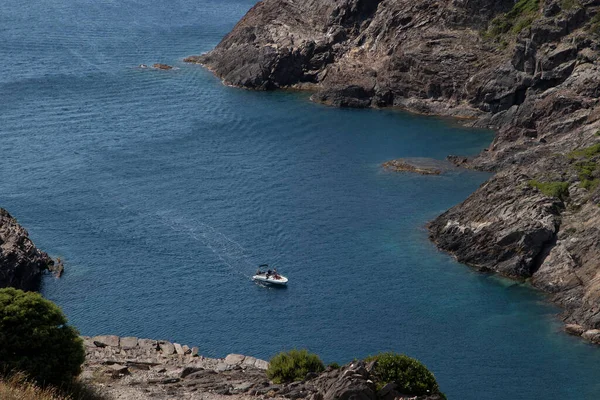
[282, 281]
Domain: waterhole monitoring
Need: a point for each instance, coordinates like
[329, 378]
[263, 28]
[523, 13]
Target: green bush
[333, 365]
[293, 366]
[412, 377]
[36, 340]
[552, 189]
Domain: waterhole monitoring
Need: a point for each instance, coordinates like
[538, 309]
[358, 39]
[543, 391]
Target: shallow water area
[164, 190]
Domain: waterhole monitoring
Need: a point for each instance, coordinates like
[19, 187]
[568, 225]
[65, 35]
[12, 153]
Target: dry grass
[18, 387]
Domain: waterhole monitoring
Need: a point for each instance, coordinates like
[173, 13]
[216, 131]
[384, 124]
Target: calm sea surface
[163, 190]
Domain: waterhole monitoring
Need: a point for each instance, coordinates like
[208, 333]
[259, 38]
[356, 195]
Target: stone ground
[129, 368]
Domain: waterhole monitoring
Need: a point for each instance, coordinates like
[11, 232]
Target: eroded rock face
[539, 88]
[508, 237]
[21, 263]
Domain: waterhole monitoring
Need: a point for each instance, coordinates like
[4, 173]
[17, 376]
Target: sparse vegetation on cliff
[586, 168]
[293, 366]
[36, 339]
[595, 29]
[521, 16]
[586, 152]
[553, 189]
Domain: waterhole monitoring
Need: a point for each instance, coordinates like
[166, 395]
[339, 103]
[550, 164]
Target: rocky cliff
[528, 69]
[128, 368]
[21, 263]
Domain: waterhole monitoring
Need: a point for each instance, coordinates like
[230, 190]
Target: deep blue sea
[163, 190]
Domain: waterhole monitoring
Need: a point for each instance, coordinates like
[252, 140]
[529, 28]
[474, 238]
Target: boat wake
[230, 252]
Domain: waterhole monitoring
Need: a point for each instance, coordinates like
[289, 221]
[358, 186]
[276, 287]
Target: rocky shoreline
[128, 368]
[21, 263]
[530, 70]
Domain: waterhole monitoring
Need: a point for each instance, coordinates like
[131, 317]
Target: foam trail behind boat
[230, 252]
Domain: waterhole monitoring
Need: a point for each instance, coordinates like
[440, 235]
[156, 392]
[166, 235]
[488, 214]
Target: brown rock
[162, 66]
[593, 335]
[167, 348]
[107, 340]
[234, 359]
[128, 342]
[401, 165]
[574, 329]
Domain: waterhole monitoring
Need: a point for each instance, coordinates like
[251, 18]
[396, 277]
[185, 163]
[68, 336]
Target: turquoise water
[163, 190]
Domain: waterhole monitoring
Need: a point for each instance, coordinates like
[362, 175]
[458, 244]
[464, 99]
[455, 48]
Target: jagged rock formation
[129, 368]
[530, 70]
[21, 263]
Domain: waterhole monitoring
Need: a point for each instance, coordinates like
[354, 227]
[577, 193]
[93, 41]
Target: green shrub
[586, 152]
[293, 366]
[333, 365]
[412, 377]
[36, 340]
[552, 189]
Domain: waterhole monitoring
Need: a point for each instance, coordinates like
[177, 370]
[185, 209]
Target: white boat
[269, 277]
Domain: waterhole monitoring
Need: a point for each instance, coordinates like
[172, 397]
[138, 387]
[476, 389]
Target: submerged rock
[161, 66]
[423, 166]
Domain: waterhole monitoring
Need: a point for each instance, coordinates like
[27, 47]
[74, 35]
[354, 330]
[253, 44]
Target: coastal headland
[529, 70]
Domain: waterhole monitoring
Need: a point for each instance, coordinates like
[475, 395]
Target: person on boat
[269, 272]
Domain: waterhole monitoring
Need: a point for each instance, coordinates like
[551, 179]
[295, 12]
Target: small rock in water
[161, 66]
[419, 166]
[593, 335]
[574, 329]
